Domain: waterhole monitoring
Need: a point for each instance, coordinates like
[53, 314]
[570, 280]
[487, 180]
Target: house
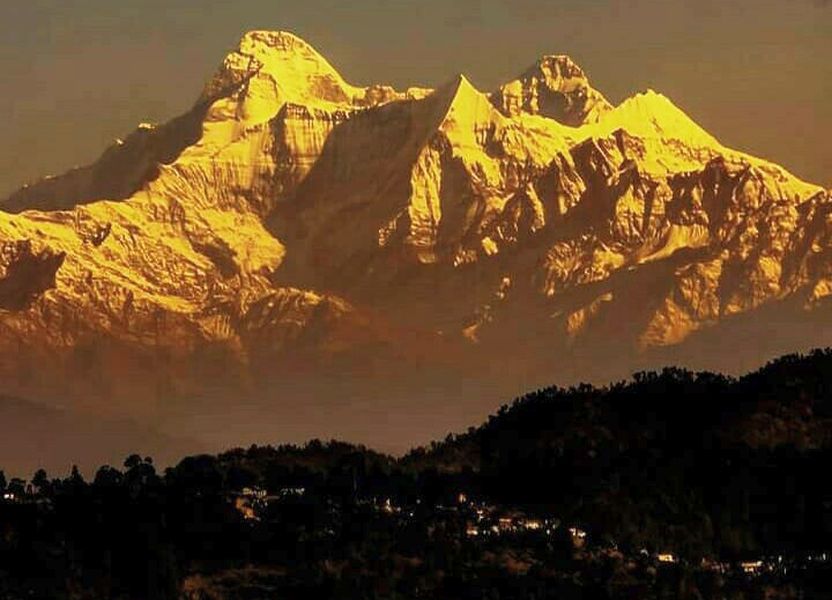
[505, 524]
[253, 492]
[251, 501]
[752, 567]
[578, 537]
[246, 509]
[666, 557]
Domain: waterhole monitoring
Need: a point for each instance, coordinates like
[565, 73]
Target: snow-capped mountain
[291, 222]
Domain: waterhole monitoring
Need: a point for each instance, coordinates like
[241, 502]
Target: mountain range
[296, 253]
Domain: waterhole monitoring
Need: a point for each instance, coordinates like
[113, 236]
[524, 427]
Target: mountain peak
[285, 41]
[462, 86]
[555, 87]
[286, 68]
[270, 69]
[462, 102]
[281, 47]
[651, 113]
[558, 66]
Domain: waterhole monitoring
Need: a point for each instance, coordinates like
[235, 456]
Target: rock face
[293, 220]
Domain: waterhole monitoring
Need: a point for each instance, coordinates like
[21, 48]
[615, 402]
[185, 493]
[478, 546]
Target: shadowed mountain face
[297, 252]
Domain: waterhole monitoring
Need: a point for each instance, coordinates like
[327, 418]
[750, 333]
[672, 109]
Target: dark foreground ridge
[672, 485]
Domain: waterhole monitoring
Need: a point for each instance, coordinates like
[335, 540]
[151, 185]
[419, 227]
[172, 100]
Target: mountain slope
[293, 223]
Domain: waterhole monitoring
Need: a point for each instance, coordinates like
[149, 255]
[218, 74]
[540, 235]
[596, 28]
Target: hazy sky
[75, 74]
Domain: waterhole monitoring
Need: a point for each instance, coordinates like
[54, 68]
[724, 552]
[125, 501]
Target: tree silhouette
[17, 486]
[41, 481]
[107, 476]
[132, 461]
[76, 480]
